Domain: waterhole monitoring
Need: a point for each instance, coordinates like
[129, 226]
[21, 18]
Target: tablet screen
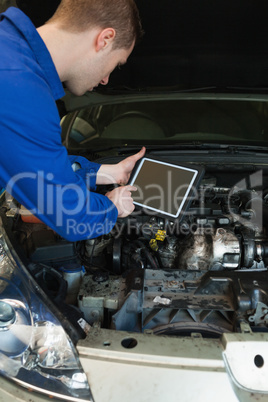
[163, 187]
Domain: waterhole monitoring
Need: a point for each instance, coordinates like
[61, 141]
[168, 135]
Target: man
[79, 46]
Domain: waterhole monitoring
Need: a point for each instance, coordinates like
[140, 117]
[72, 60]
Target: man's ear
[105, 38]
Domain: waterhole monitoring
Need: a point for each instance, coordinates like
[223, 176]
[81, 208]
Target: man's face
[91, 72]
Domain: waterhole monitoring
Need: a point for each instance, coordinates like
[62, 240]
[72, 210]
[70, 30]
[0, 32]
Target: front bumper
[144, 367]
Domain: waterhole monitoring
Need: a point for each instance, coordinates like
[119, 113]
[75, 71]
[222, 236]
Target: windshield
[167, 122]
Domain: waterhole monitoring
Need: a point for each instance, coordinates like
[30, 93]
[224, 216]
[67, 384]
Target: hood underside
[191, 44]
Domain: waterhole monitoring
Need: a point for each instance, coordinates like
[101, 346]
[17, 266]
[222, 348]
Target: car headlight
[35, 351]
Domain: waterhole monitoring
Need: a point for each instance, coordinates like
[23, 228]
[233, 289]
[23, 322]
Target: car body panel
[157, 368]
[153, 369]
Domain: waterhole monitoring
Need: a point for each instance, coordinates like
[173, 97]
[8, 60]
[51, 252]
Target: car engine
[205, 274]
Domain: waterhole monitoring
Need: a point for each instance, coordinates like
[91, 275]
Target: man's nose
[105, 80]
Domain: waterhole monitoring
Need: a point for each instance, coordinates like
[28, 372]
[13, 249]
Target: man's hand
[119, 173]
[121, 197]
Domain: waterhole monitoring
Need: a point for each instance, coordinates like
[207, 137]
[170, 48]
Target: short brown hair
[121, 15]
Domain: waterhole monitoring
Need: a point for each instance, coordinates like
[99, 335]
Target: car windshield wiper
[193, 146]
[124, 89]
[162, 89]
[155, 147]
[232, 148]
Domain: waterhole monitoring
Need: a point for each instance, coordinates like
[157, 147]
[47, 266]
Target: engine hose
[153, 262]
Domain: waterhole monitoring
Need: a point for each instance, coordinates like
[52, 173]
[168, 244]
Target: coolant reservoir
[73, 274]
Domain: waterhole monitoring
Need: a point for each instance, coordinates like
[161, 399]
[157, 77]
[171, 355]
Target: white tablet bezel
[184, 201]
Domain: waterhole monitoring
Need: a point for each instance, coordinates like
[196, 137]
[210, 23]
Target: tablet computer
[164, 188]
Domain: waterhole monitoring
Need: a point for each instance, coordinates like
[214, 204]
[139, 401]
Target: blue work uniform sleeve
[86, 169]
[36, 169]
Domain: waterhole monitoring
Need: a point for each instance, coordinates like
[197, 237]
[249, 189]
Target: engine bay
[206, 274]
